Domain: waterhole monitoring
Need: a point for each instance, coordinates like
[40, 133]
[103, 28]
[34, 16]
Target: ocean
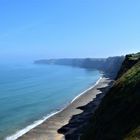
[30, 93]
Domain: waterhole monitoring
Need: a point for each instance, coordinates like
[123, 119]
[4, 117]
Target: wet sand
[48, 130]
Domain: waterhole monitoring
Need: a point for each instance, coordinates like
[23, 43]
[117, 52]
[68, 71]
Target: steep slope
[130, 60]
[118, 116]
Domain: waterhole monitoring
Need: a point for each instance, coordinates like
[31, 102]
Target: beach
[48, 130]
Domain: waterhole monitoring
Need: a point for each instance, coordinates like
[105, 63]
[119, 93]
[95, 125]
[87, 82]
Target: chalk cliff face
[118, 116]
[108, 66]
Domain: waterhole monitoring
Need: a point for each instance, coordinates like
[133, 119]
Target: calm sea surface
[30, 92]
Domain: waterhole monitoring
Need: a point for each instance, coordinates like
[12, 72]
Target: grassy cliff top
[134, 56]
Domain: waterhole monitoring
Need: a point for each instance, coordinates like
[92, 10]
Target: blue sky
[33, 29]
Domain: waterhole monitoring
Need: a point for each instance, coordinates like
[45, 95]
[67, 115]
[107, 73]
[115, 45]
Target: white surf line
[87, 89]
[28, 128]
[25, 130]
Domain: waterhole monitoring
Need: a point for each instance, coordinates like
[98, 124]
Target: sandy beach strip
[48, 129]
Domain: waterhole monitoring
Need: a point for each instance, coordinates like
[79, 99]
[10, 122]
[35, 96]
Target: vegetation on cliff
[118, 116]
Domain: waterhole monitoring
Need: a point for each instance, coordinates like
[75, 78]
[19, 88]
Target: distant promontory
[108, 66]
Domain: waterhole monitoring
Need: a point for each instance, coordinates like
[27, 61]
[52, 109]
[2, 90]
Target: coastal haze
[38, 29]
[58, 59]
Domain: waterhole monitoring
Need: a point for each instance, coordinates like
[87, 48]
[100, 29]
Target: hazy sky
[33, 29]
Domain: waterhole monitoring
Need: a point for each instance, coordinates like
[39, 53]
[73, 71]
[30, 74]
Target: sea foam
[30, 127]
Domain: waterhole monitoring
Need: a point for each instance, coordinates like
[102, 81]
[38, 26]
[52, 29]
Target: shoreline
[84, 92]
[25, 130]
[31, 131]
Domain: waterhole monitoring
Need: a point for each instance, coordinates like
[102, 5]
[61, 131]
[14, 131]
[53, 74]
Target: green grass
[134, 135]
[131, 77]
[134, 56]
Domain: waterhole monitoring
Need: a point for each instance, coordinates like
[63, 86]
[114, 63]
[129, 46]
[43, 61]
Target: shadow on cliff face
[77, 124]
[118, 116]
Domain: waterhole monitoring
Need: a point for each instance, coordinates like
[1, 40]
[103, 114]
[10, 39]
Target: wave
[30, 127]
[36, 123]
[87, 89]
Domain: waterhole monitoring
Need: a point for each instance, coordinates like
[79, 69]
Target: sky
[36, 29]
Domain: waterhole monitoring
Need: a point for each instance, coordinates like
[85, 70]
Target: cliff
[109, 66]
[130, 60]
[118, 115]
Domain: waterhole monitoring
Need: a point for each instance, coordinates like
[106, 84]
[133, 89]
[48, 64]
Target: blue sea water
[28, 92]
